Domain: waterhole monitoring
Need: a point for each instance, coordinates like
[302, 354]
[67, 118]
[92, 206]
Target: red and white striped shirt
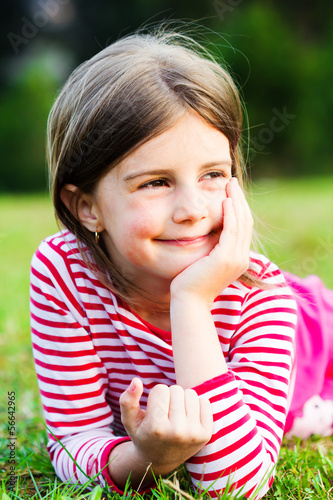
[88, 346]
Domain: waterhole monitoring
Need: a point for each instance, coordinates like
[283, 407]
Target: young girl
[159, 338]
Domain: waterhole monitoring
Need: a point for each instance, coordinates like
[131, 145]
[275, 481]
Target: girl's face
[161, 209]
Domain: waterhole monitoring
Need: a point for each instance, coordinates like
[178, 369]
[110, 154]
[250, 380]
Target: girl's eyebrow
[226, 162]
[146, 172]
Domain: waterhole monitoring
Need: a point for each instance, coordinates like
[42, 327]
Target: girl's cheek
[144, 223]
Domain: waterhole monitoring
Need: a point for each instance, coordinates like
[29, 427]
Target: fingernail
[132, 386]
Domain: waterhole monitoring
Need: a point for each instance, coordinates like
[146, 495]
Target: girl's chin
[174, 270]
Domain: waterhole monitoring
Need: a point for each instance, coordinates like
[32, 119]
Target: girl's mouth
[187, 241]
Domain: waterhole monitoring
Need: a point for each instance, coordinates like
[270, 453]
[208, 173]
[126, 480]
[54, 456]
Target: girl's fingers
[236, 235]
[192, 405]
[242, 213]
[129, 401]
[131, 397]
[189, 417]
[241, 207]
[158, 405]
[177, 411]
[229, 217]
[229, 235]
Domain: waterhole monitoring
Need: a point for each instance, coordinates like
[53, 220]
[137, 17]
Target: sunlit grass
[297, 217]
[295, 222]
[24, 222]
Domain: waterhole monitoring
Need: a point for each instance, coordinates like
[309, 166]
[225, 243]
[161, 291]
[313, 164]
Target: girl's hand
[175, 425]
[228, 260]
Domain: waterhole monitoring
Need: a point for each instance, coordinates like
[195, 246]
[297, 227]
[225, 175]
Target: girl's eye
[214, 174]
[156, 183]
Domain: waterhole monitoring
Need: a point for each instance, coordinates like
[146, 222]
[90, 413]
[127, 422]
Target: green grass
[296, 224]
[297, 232]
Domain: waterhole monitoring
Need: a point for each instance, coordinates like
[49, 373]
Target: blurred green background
[280, 52]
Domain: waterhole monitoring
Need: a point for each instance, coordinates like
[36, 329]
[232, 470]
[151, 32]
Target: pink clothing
[314, 345]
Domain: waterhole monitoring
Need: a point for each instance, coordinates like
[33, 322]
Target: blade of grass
[68, 453]
[96, 493]
[33, 480]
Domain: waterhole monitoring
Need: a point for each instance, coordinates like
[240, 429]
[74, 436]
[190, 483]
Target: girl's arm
[249, 399]
[196, 348]
[249, 402]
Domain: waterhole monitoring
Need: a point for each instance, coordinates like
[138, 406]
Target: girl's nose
[190, 206]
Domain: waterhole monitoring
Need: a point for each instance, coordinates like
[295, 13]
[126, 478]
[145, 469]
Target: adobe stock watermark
[279, 121]
[223, 8]
[322, 252]
[30, 27]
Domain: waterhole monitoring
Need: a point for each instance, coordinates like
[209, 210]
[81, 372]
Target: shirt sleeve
[72, 379]
[249, 402]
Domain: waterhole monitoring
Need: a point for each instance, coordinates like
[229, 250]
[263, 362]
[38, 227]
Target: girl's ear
[81, 207]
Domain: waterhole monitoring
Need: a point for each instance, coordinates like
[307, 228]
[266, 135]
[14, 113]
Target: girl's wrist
[157, 466]
[128, 461]
[189, 300]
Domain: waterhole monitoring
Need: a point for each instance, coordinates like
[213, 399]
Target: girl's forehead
[190, 135]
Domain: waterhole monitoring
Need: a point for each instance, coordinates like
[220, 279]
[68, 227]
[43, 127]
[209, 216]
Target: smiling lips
[182, 242]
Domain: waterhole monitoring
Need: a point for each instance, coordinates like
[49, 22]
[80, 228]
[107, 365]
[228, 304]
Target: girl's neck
[156, 312]
[159, 319]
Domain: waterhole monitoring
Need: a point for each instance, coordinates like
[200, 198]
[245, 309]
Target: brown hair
[128, 93]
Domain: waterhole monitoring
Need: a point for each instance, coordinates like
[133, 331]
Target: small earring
[96, 237]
